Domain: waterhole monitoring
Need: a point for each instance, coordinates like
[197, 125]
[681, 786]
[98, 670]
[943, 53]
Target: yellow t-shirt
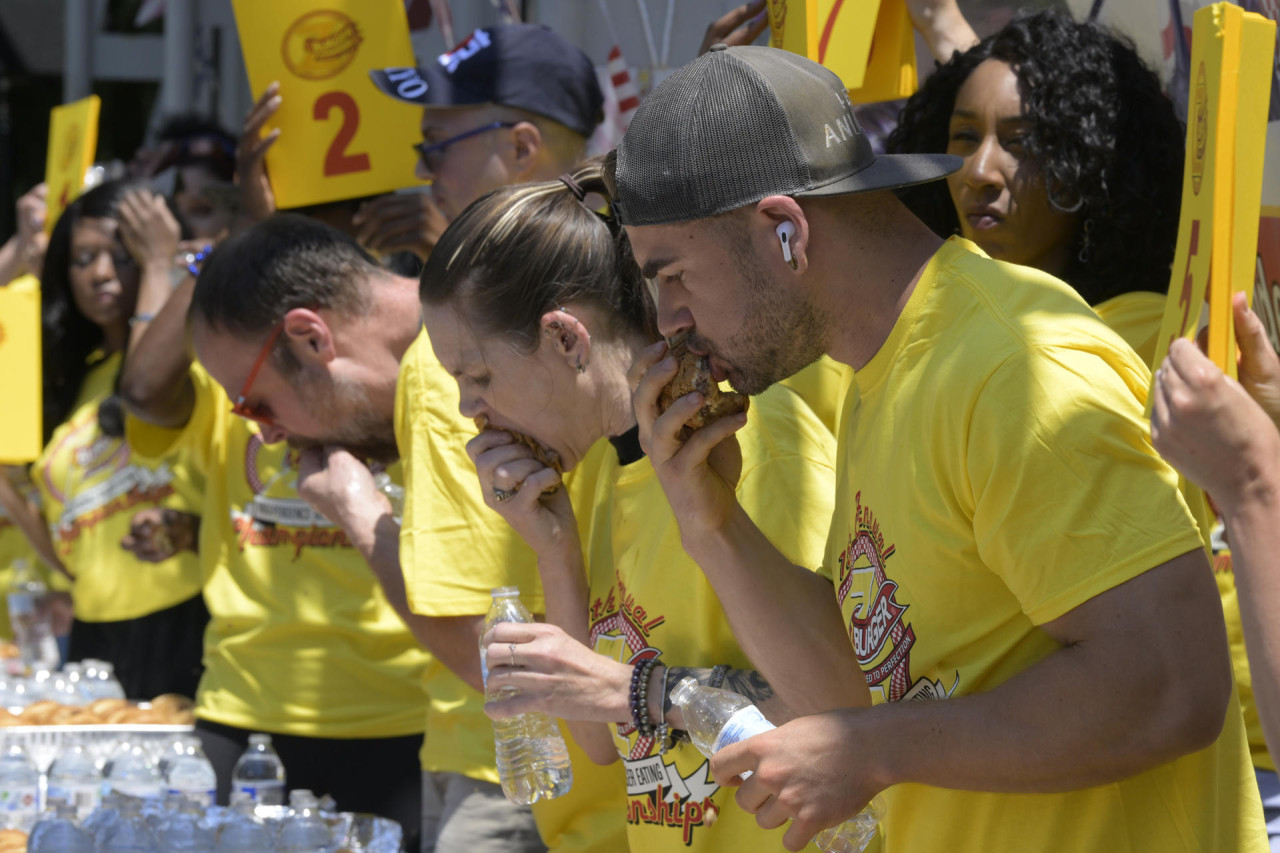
[1136, 317]
[649, 598]
[453, 551]
[995, 471]
[301, 639]
[13, 546]
[822, 385]
[91, 485]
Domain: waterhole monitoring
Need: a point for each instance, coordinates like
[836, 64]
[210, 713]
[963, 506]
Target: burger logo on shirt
[320, 44]
[1200, 118]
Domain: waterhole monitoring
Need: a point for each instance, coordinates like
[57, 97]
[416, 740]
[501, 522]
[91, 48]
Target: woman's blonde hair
[523, 250]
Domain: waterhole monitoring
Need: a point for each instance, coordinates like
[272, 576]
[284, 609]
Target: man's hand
[157, 534]
[739, 26]
[555, 674]
[809, 771]
[1209, 428]
[341, 488]
[148, 230]
[405, 222]
[545, 522]
[257, 201]
[698, 475]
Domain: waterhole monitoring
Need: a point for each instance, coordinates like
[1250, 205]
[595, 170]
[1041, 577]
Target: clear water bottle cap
[506, 592]
[684, 691]
[259, 739]
[301, 798]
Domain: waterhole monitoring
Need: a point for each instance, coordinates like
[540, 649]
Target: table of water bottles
[149, 788]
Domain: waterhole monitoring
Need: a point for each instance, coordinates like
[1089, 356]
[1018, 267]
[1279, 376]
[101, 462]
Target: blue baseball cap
[525, 66]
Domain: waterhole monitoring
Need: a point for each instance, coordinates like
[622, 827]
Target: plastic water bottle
[130, 834]
[106, 685]
[131, 771]
[19, 789]
[58, 832]
[191, 773]
[716, 718]
[182, 831]
[259, 773]
[32, 625]
[243, 832]
[304, 831]
[533, 762]
[74, 779]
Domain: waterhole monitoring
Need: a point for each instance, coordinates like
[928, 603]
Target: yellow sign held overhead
[1222, 178]
[340, 137]
[869, 44]
[73, 142]
[20, 430]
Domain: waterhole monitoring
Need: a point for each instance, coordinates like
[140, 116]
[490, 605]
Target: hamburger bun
[693, 373]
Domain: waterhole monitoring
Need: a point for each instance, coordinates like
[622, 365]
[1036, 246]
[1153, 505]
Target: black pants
[379, 776]
[153, 654]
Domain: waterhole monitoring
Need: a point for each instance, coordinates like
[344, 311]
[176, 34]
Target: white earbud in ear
[786, 230]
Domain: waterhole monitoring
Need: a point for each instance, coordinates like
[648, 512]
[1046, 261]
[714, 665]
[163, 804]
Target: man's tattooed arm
[745, 682]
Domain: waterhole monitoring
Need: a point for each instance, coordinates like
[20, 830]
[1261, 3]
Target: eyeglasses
[242, 408]
[432, 154]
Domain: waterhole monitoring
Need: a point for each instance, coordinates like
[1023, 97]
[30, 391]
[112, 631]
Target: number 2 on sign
[1184, 296]
[337, 160]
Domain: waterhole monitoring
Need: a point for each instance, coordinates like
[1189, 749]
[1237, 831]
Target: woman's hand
[699, 474]
[148, 230]
[513, 483]
[32, 239]
[554, 674]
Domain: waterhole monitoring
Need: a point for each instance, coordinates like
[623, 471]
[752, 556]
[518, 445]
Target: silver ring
[503, 495]
[512, 647]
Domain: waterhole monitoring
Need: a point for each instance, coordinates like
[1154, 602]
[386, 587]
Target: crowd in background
[283, 464]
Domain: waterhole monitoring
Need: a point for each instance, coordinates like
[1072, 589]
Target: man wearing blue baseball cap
[511, 104]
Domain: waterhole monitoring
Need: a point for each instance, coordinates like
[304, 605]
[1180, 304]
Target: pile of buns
[169, 709]
[13, 841]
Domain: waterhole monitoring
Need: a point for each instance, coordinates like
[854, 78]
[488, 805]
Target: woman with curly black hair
[1073, 162]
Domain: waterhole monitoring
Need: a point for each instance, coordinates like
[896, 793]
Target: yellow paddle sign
[340, 137]
[869, 44]
[73, 142]
[20, 430]
[1231, 55]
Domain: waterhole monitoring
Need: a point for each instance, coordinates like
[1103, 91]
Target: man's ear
[569, 338]
[526, 146]
[777, 209]
[309, 337]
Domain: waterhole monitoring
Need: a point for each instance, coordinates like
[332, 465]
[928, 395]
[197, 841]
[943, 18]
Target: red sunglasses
[240, 407]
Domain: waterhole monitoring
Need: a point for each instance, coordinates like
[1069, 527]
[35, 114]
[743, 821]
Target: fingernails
[667, 364]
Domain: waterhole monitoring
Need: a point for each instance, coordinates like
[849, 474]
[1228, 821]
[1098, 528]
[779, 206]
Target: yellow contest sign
[869, 44]
[1222, 179]
[73, 142]
[339, 136]
[20, 432]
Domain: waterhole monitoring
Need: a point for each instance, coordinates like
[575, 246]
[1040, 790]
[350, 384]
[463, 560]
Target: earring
[1083, 255]
[582, 368]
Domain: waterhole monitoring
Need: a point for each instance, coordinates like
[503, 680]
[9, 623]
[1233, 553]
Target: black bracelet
[640, 695]
[717, 675]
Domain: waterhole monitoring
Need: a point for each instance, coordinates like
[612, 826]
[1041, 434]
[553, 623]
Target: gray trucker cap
[739, 124]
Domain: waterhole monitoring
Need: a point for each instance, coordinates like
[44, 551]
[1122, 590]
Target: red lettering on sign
[337, 161]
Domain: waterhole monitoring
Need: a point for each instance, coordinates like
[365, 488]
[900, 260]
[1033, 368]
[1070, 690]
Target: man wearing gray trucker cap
[1005, 537]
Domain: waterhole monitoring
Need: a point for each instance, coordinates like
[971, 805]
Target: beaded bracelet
[193, 266]
[718, 672]
[640, 695]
